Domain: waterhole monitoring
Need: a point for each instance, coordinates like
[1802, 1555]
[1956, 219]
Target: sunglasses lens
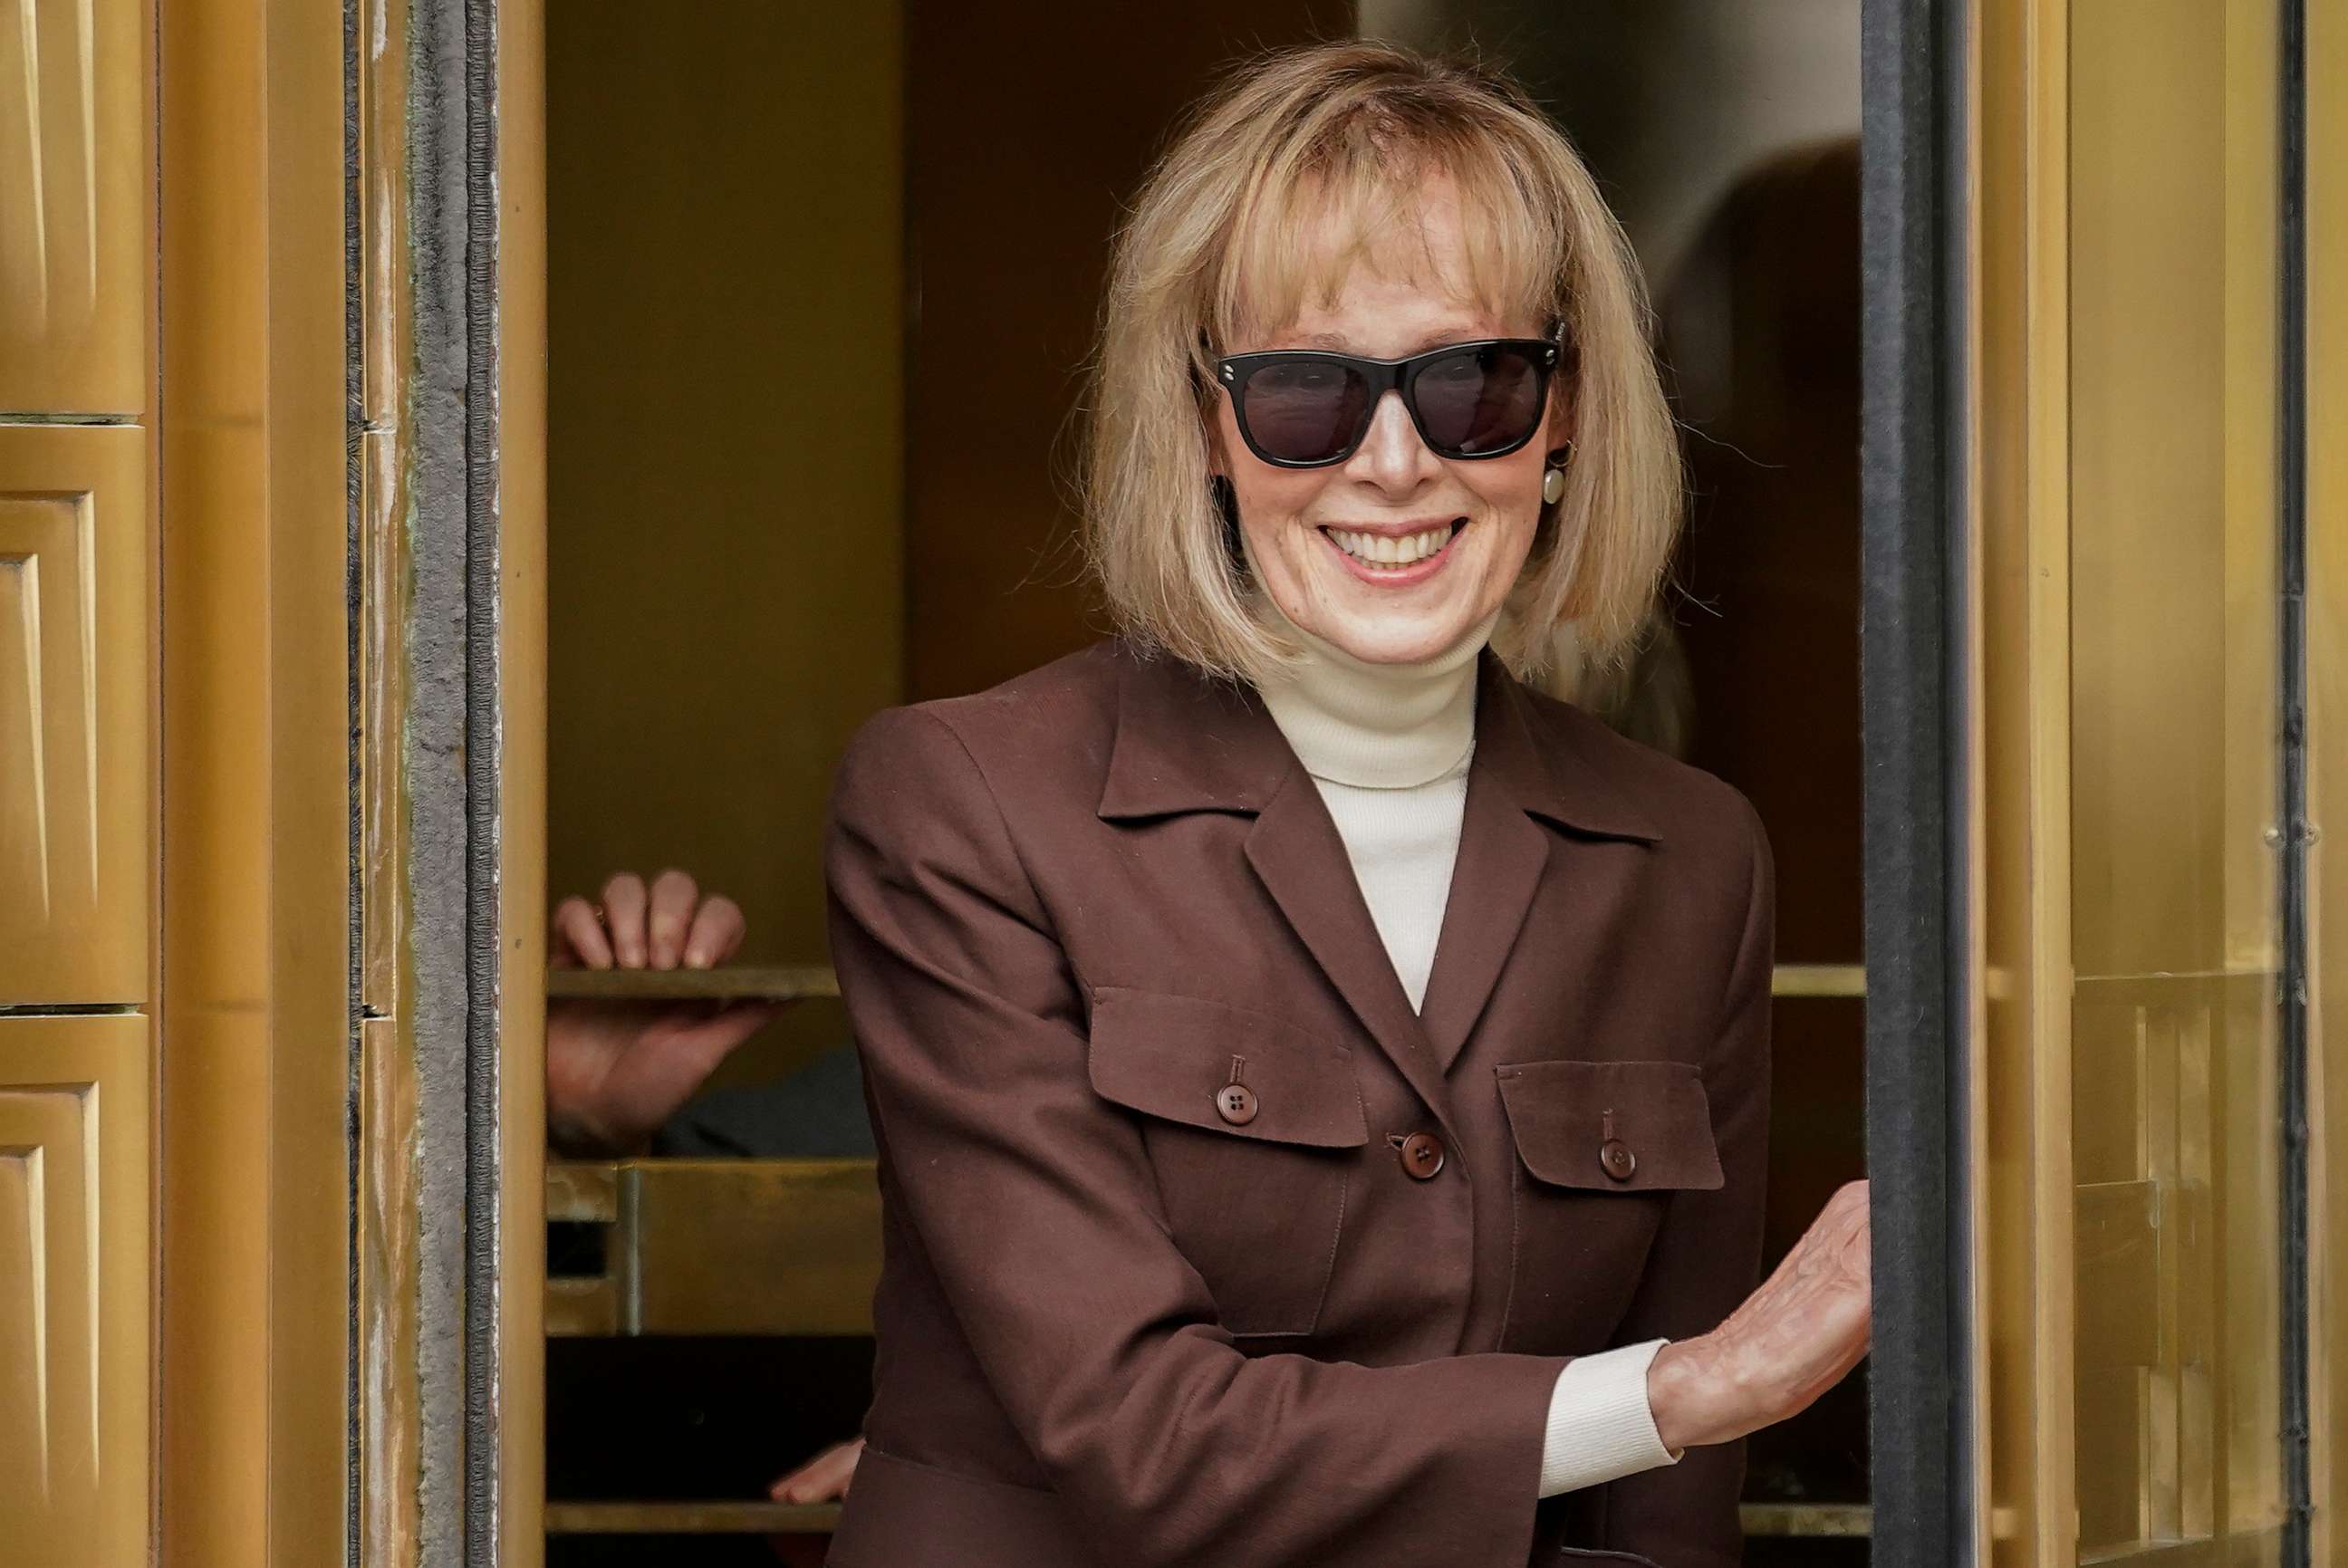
[1304, 411]
[1479, 400]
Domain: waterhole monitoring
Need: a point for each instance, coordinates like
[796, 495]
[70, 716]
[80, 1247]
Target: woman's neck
[1378, 726]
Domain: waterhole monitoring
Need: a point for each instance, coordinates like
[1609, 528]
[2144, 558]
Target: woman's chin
[1395, 634]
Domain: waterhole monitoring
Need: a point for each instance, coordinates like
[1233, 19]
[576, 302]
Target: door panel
[77, 781]
[2132, 704]
[75, 235]
[74, 863]
[74, 1281]
[2174, 703]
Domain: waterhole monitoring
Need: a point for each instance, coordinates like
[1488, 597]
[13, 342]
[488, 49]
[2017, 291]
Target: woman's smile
[1394, 554]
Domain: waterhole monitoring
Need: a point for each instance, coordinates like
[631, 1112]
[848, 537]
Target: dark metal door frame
[1914, 89]
[1914, 686]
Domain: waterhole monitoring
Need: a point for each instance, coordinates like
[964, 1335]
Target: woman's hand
[617, 1070]
[822, 1478]
[1790, 1341]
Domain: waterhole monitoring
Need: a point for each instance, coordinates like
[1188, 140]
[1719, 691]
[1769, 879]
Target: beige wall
[727, 307]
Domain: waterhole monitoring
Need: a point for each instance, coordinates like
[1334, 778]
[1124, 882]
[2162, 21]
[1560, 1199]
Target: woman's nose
[1391, 456]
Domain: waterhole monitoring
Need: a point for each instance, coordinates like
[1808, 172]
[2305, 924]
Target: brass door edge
[520, 185]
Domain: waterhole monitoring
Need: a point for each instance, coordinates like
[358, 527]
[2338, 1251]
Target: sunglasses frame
[1383, 375]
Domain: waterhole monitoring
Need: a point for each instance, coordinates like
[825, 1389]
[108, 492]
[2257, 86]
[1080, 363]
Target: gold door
[76, 780]
[2130, 488]
[174, 795]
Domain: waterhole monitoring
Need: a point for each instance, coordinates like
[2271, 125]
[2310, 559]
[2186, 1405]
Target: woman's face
[1478, 513]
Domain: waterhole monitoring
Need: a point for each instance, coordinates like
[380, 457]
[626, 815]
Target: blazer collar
[1186, 742]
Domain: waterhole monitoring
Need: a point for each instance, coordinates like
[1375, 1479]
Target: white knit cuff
[1601, 1426]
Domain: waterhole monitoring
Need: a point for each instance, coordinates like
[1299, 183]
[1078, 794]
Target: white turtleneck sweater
[1388, 747]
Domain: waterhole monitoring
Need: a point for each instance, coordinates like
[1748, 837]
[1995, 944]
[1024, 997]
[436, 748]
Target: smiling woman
[1320, 1082]
[1333, 242]
[1390, 548]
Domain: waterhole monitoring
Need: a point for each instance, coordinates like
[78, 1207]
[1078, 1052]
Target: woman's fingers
[1785, 1345]
[1841, 1243]
[578, 936]
[673, 895]
[821, 1478]
[716, 932]
[1827, 1265]
[623, 914]
[1810, 1323]
[1848, 1206]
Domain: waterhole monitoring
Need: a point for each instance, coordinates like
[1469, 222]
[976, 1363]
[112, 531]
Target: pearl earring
[1553, 481]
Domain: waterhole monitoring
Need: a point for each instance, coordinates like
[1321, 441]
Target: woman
[1321, 1083]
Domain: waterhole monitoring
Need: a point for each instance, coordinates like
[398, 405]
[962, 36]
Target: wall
[726, 309]
[1016, 179]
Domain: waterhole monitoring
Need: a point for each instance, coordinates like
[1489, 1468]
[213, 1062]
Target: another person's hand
[823, 1479]
[617, 1070]
[1790, 1341]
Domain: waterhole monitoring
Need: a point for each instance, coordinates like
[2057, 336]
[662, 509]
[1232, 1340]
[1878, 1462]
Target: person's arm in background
[823, 1479]
[617, 1070]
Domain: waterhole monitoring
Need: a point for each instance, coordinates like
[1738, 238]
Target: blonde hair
[1222, 240]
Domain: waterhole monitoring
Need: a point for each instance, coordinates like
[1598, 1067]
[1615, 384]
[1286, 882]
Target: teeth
[1377, 549]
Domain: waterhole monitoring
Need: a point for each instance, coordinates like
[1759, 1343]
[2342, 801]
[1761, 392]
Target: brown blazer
[1128, 1318]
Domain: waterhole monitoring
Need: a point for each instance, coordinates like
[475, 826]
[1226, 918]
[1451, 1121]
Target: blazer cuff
[1601, 1426]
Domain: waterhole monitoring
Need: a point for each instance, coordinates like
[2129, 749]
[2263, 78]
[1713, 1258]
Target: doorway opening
[794, 477]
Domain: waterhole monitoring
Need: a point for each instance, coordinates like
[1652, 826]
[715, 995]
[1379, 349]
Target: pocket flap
[1561, 1113]
[1172, 1057]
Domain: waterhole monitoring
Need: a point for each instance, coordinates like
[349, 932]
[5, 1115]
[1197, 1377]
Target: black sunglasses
[1304, 408]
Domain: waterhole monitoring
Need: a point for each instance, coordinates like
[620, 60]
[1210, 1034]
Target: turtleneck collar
[1376, 726]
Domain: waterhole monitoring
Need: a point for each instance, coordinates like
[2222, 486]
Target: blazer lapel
[1185, 743]
[1503, 855]
[1297, 851]
[1514, 786]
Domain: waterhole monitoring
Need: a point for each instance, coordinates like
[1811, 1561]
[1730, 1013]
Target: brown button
[1422, 1155]
[1614, 1157]
[1235, 1103]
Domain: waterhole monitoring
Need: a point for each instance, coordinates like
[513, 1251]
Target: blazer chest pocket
[1253, 1130]
[1602, 1147]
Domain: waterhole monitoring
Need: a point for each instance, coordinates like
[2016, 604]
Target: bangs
[1354, 195]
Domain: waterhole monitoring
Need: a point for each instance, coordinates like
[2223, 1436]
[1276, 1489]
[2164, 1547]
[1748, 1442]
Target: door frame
[1916, 85]
[1965, 300]
[352, 266]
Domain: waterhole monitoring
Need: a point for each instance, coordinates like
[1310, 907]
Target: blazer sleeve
[1036, 1206]
[1706, 1256]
